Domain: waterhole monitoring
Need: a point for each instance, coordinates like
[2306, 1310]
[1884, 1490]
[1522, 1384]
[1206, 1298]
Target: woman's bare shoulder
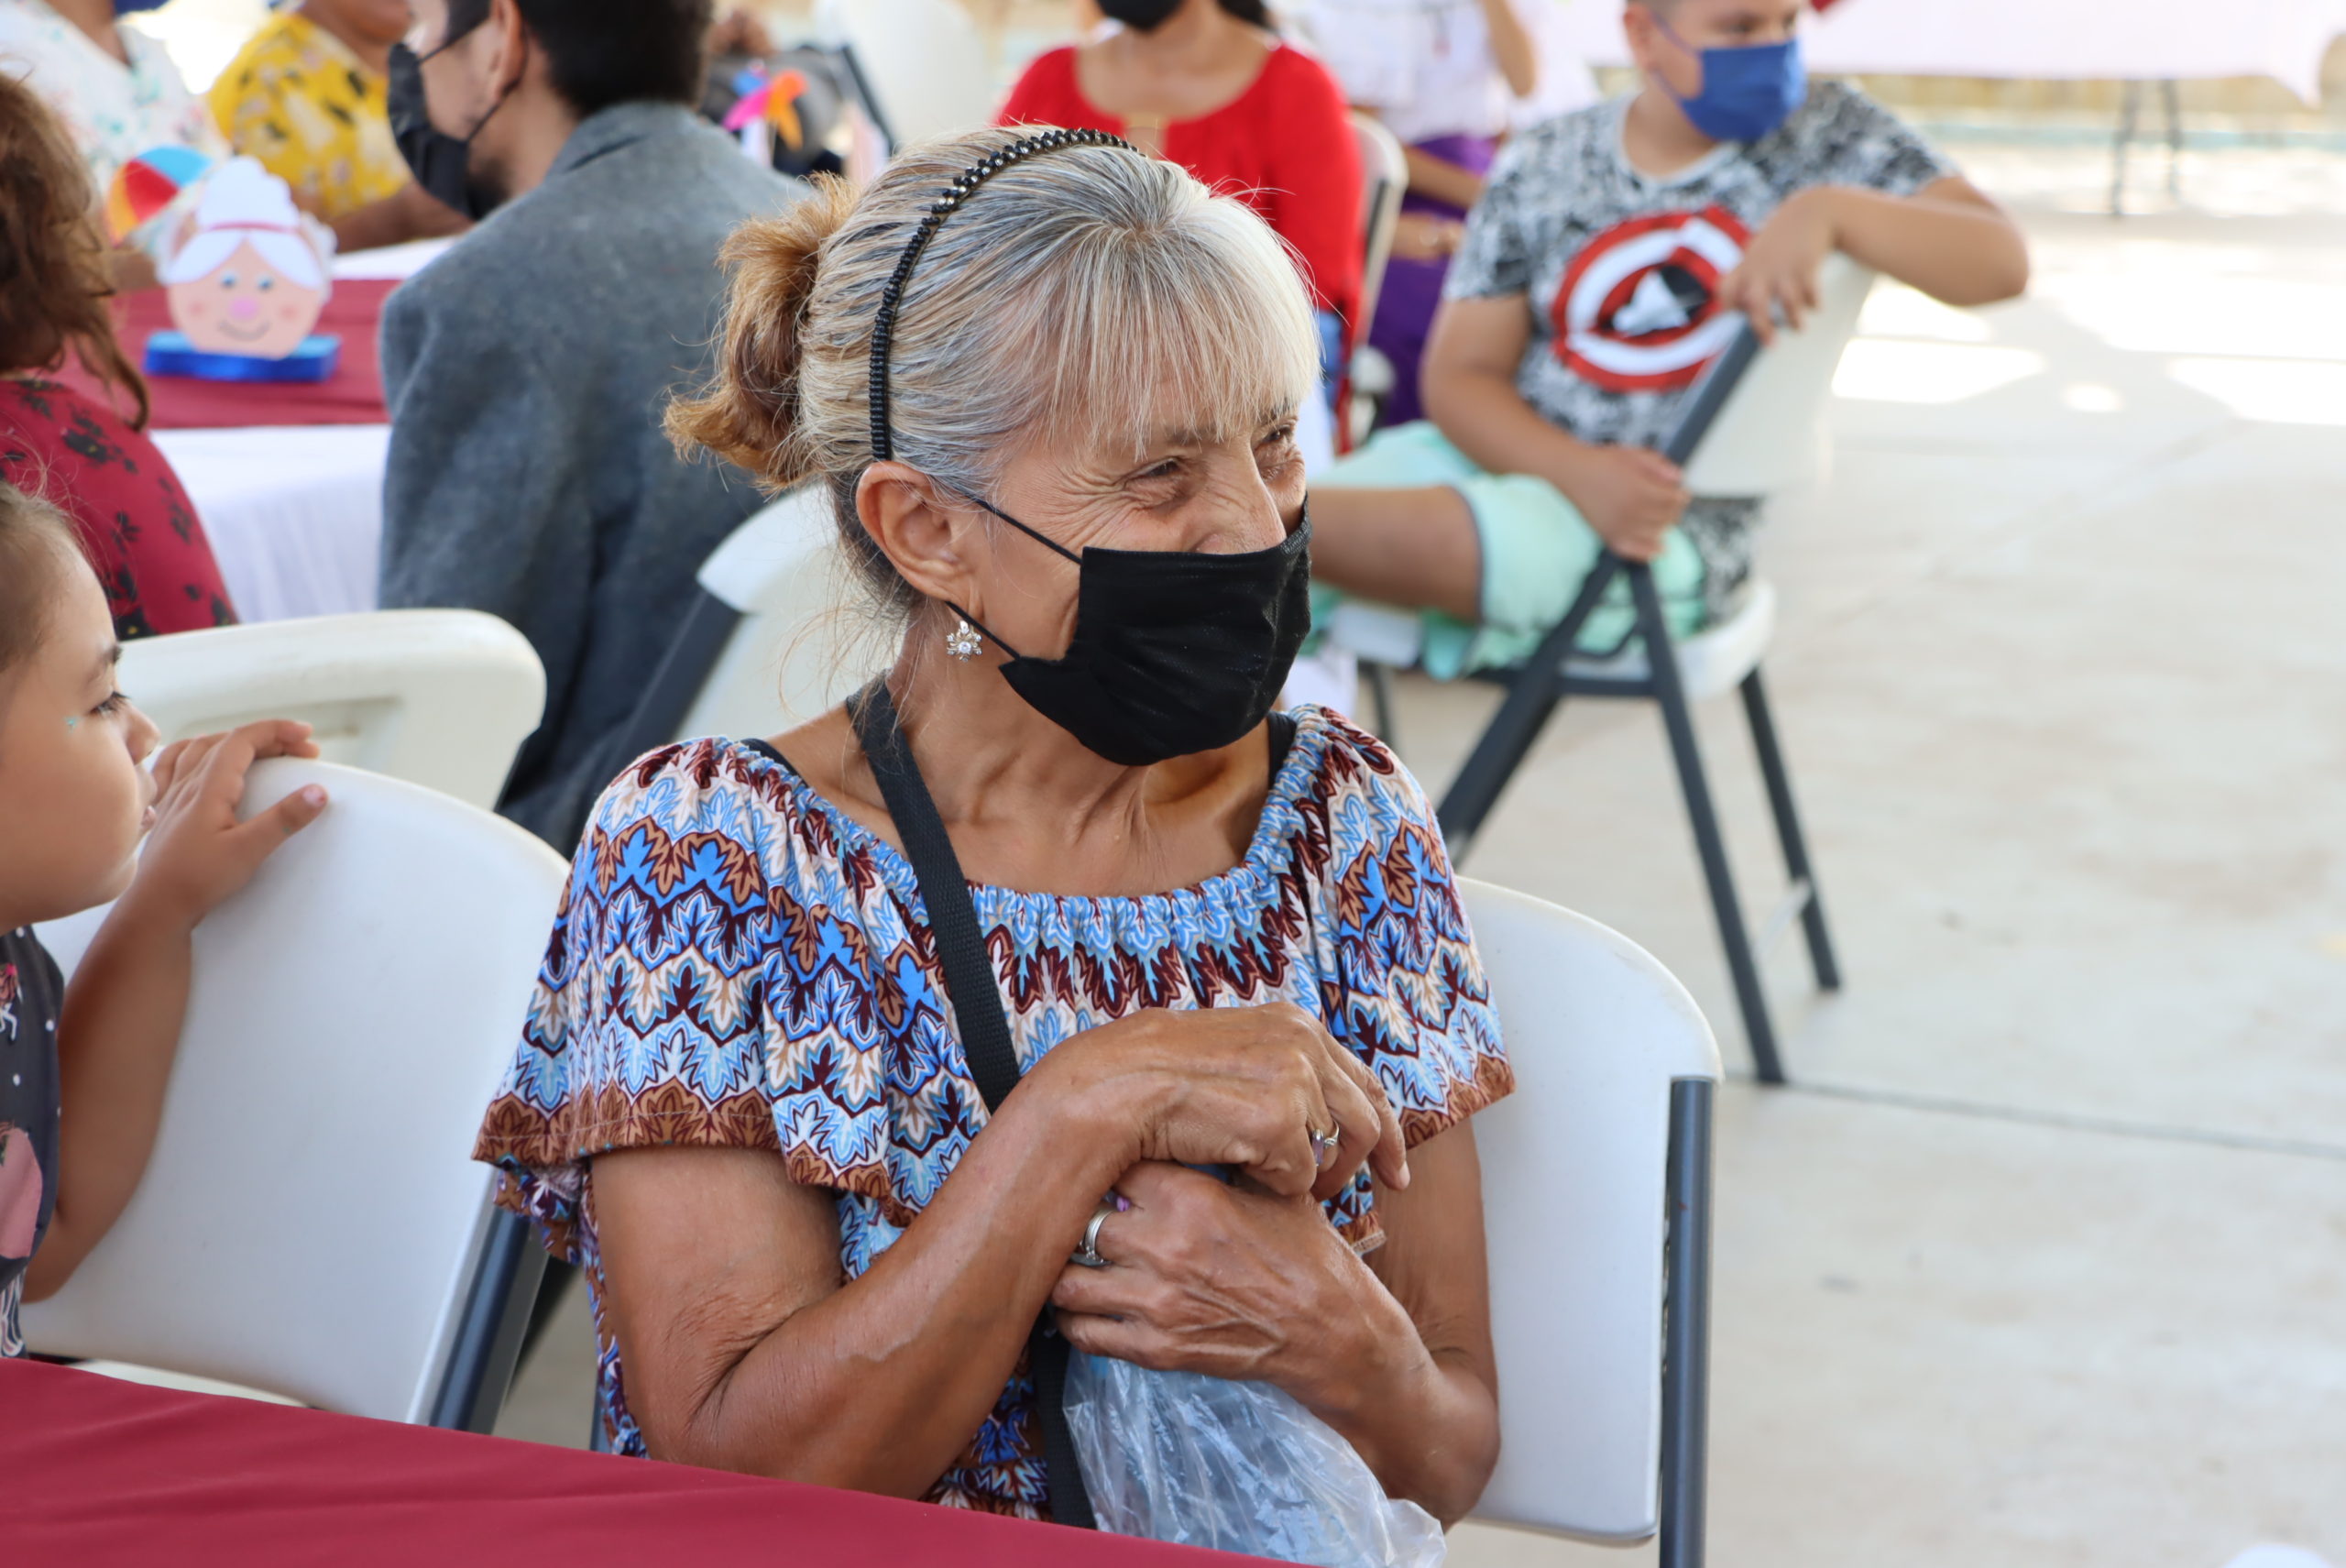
[820, 750]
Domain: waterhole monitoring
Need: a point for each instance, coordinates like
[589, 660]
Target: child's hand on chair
[1779, 266]
[1633, 496]
[198, 853]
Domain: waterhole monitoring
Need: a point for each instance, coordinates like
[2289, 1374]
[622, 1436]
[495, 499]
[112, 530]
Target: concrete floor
[2043, 1260]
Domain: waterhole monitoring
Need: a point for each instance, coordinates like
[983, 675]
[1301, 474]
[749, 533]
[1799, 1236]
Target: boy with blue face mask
[1600, 275]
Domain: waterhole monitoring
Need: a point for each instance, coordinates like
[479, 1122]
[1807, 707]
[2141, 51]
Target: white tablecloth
[295, 513]
[2045, 40]
[398, 262]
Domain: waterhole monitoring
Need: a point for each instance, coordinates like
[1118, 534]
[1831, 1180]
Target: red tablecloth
[96, 1472]
[351, 395]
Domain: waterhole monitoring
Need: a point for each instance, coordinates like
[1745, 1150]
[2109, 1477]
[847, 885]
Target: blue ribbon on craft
[171, 354]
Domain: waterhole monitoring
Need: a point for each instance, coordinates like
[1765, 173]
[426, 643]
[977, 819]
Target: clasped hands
[1242, 1280]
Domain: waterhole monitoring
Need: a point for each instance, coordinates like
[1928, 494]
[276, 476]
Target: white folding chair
[1385, 166]
[1596, 1184]
[1769, 432]
[767, 643]
[921, 65]
[312, 1223]
[439, 697]
[1753, 426]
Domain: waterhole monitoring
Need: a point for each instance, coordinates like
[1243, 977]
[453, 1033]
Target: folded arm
[746, 1348]
[1949, 239]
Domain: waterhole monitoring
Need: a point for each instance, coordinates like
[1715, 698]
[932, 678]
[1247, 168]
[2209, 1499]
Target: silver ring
[1088, 1255]
[1323, 1145]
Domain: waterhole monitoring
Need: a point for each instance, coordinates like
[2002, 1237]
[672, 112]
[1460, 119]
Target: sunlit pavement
[2041, 1263]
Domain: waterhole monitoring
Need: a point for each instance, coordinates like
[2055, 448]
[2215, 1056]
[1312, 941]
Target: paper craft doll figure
[246, 284]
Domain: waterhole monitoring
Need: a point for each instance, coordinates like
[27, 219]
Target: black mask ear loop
[1043, 539]
[883, 324]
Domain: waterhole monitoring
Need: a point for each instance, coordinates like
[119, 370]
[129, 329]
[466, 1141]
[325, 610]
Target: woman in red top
[1207, 84]
[131, 516]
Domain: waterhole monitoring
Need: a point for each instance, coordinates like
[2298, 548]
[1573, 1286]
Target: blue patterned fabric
[737, 963]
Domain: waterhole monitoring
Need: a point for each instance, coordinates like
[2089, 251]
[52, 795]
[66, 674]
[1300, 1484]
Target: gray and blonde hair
[1080, 297]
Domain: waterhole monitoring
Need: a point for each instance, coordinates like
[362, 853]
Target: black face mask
[441, 163]
[1140, 15]
[1175, 653]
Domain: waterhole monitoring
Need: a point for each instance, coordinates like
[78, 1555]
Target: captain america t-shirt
[1620, 269]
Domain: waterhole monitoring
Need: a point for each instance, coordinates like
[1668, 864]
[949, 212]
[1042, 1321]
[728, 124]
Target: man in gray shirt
[526, 368]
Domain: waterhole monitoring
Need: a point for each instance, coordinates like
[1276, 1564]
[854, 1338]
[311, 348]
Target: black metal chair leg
[2129, 108]
[2171, 94]
[1661, 659]
[1788, 832]
[1686, 1327]
[1380, 695]
[599, 1439]
[488, 1332]
[1530, 698]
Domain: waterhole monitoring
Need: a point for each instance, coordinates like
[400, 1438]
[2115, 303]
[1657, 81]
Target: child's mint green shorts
[1537, 550]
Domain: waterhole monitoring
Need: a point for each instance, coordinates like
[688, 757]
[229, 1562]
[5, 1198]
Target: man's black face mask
[441, 163]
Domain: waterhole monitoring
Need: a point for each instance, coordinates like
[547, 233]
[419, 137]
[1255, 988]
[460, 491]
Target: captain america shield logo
[1638, 311]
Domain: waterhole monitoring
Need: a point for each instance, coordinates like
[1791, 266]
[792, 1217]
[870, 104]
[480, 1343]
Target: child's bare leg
[1413, 548]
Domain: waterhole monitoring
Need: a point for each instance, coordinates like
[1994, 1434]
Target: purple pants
[1412, 290]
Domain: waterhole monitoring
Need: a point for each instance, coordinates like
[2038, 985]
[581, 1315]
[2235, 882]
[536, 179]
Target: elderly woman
[1051, 385]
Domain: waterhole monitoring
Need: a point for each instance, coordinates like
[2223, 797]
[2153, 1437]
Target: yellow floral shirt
[297, 99]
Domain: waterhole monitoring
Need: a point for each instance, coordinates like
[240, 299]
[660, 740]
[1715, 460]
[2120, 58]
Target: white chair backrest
[1384, 168]
[793, 654]
[1770, 436]
[311, 1216]
[1573, 1164]
[924, 61]
[439, 697]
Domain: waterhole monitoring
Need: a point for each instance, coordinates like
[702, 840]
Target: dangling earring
[962, 641]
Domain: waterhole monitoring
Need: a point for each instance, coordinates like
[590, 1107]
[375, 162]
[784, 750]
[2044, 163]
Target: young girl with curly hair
[80, 452]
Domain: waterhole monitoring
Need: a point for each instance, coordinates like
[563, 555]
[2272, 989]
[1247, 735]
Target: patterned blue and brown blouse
[737, 962]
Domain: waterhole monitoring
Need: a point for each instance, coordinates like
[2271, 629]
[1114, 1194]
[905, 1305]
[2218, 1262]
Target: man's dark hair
[601, 53]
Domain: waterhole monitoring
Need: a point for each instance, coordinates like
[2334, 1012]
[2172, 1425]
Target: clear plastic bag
[1237, 1466]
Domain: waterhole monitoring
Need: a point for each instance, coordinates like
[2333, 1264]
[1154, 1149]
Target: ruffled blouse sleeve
[655, 1017]
[1408, 994]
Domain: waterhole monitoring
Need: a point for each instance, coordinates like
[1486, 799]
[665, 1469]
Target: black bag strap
[765, 749]
[952, 913]
[1282, 728]
[976, 1001]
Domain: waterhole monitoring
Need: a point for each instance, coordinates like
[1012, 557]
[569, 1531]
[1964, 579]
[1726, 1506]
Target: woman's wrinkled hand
[1205, 1276]
[198, 853]
[1243, 1086]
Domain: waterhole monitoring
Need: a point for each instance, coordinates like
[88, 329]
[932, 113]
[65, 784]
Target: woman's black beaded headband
[947, 202]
